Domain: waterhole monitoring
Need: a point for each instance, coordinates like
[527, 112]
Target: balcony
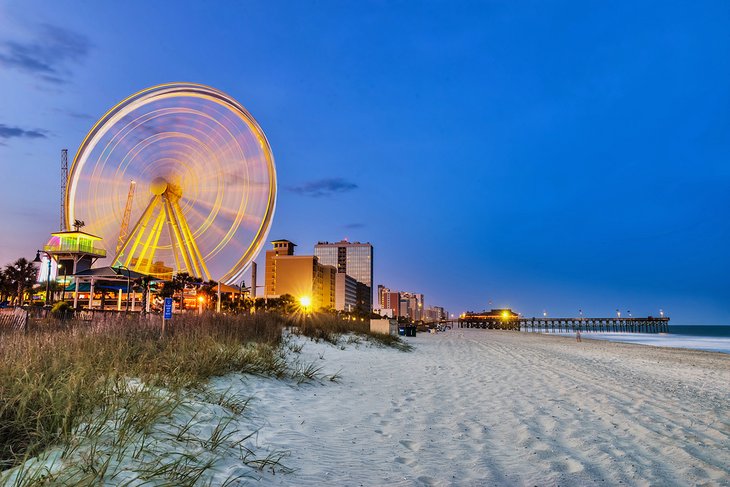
[74, 247]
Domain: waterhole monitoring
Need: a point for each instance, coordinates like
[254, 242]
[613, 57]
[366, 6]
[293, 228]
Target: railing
[81, 247]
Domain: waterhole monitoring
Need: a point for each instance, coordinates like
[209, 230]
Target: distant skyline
[542, 156]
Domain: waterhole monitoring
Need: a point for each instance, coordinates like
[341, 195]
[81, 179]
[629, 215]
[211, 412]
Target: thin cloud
[323, 187]
[73, 114]
[7, 132]
[48, 55]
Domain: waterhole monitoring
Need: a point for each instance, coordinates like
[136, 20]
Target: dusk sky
[539, 155]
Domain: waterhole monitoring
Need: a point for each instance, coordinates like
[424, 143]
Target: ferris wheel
[176, 178]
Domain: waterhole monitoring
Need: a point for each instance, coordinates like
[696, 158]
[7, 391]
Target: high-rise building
[345, 292]
[352, 258]
[389, 300]
[299, 276]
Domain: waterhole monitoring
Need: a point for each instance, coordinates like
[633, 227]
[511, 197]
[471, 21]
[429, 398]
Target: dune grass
[331, 328]
[103, 391]
[54, 377]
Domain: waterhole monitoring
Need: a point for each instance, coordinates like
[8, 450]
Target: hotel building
[354, 259]
[299, 275]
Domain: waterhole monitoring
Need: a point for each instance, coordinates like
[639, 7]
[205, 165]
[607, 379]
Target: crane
[127, 213]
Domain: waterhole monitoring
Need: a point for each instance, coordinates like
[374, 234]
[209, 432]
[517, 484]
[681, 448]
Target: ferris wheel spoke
[190, 240]
[144, 260]
[136, 232]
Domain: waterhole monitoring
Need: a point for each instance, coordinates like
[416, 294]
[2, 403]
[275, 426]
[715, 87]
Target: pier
[508, 320]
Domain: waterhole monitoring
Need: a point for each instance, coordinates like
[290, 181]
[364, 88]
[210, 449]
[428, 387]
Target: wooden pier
[510, 321]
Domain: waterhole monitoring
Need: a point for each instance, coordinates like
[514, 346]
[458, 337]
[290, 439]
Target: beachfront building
[354, 259]
[345, 292]
[299, 275]
[411, 305]
[434, 313]
[389, 300]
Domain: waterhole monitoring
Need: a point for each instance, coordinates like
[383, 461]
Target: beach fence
[13, 319]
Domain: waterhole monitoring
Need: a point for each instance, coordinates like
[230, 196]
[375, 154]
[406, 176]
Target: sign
[168, 308]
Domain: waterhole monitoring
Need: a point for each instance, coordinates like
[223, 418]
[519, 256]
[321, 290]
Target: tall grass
[54, 377]
[330, 328]
[101, 391]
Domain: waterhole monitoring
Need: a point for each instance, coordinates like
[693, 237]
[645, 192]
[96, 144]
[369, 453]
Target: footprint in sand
[404, 461]
[573, 466]
[408, 444]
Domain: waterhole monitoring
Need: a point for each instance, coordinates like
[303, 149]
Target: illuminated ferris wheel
[176, 178]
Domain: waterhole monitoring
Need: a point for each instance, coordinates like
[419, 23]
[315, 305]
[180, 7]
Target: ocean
[712, 338]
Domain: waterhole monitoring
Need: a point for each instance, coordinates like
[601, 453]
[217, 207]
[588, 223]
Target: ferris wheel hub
[158, 186]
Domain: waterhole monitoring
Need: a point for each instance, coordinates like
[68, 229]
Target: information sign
[168, 308]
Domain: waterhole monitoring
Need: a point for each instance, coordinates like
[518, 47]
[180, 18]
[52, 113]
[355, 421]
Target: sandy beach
[477, 407]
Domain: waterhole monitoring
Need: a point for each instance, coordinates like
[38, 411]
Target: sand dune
[477, 407]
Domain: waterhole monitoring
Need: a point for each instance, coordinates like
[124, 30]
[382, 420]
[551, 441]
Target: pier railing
[562, 325]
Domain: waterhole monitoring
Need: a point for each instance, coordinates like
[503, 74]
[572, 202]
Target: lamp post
[48, 276]
[126, 305]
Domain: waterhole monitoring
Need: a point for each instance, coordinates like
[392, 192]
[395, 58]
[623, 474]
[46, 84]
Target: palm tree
[179, 282]
[22, 274]
[6, 287]
[142, 284]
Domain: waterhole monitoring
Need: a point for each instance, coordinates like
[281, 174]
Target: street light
[661, 313]
[48, 276]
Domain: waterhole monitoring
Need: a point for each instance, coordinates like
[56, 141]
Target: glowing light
[505, 314]
[202, 150]
[201, 299]
[305, 301]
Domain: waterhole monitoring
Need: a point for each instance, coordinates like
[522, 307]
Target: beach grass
[94, 389]
[331, 329]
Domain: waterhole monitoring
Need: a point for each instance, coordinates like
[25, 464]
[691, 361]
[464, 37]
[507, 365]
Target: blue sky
[539, 155]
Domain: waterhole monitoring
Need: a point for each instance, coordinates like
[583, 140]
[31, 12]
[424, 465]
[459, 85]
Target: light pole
[48, 276]
[126, 305]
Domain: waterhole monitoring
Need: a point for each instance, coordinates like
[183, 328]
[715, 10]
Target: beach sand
[481, 407]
